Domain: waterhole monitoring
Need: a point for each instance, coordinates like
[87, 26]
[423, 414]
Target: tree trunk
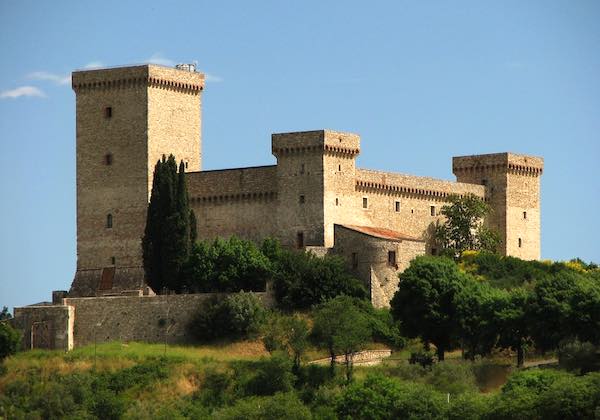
[332, 365]
[520, 356]
[348, 368]
[440, 353]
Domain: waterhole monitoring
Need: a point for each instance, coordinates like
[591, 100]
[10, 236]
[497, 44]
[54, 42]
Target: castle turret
[513, 191]
[127, 119]
[310, 165]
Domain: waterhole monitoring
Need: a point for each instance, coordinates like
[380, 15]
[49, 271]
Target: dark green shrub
[104, 404]
[468, 406]
[228, 265]
[578, 357]
[280, 406]
[239, 315]
[266, 376]
[385, 398]
[424, 358]
[301, 279]
[217, 388]
[139, 376]
[9, 340]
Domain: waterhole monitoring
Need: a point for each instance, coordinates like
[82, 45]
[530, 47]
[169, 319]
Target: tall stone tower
[127, 119]
[513, 191]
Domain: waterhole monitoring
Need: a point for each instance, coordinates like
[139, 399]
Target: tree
[9, 340]
[226, 265]
[513, 321]
[5, 314]
[238, 316]
[167, 236]
[425, 301]
[340, 327]
[464, 229]
[477, 329]
[566, 305]
[301, 279]
[288, 334]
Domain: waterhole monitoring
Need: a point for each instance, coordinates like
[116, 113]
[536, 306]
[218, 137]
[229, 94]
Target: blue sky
[420, 81]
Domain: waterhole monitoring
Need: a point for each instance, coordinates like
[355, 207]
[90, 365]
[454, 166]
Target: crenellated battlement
[150, 76]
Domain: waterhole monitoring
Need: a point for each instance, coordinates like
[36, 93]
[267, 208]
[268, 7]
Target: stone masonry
[128, 117]
[314, 198]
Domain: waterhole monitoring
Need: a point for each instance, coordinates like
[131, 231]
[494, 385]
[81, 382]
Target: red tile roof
[382, 233]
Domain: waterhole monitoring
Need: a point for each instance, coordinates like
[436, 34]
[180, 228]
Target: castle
[314, 198]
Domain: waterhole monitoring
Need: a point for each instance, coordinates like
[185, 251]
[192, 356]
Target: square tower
[127, 119]
[512, 184]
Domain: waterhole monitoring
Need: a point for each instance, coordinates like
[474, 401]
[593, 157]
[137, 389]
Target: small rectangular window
[113, 260]
[484, 182]
[302, 168]
[432, 209]
[108, 159]
[300, 240]
[354, 260]
[108, 112]
[302, 199]
[365, 202]
[520, 242]
[524, 215]
[397, 206]
[433, 251]
[392, 258]
[337, 201]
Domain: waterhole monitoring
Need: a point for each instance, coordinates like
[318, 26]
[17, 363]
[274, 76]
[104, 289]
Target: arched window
[109, 221]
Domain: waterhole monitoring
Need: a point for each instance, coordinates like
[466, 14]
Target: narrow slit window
[339, 168]
[337, 201]
[397, 206]
[108, 112]
[113, 260]
[365, 203]
[520, 242]
[108, 159]
[392, 258]
[524, 215]
[109, 221]
[300, 240]
[302, 199]
[354, 260]
[432, 209]
[186, 164]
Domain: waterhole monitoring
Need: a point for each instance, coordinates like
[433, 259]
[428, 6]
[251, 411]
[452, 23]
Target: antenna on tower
[191, 67]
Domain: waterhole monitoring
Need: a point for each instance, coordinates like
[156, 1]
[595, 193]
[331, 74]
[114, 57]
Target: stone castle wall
[138, 318]
[234, 201]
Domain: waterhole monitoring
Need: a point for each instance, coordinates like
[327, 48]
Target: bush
[578, 357]
[424, 358]
[301, 279]
[280, 406]
[9, 340]
[385, 398]
[264, 377]
[228, 265]
[237, 316]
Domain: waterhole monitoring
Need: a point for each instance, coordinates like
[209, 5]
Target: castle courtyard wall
[138, 318]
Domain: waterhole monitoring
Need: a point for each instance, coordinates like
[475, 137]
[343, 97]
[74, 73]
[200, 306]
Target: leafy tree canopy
[464, 229]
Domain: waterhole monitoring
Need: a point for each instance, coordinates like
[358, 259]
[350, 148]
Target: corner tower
[127, 118]
[513, 191]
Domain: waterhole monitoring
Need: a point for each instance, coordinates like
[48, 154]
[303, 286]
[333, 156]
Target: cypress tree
[166, 241]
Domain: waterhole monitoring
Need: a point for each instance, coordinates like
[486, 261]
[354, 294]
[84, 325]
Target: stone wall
[137, 318]
[367, 256]
[49, 326]
[234, 201]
